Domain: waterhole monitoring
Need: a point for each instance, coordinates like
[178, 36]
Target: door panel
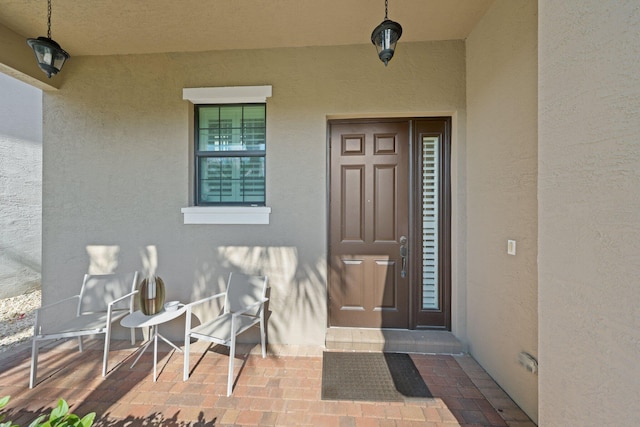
[352, 205]
[385, 222]
[385, 286]
[353, 279]
[369, 197]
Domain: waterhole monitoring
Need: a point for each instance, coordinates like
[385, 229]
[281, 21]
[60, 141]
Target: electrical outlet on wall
[511, 247]
[528, 362]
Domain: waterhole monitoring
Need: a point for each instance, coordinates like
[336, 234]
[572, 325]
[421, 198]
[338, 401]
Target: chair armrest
[189, 308]
[117, 300]
[203, 300]
[250, 307]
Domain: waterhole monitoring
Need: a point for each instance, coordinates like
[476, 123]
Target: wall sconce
[50, 56]
[385, 36]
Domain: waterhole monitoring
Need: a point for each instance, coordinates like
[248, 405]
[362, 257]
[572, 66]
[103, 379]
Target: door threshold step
[393, 340]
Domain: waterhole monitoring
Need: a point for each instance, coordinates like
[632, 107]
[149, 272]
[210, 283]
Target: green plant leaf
[87, 420]
[36, 422]
[59, 412]
[69, 420]
[59, 417]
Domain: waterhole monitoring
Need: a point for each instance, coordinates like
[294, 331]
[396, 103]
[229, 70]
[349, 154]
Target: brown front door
[369, 220]
[390, 195]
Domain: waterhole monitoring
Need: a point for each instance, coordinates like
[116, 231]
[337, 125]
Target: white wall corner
[227, 95]
[227, 215]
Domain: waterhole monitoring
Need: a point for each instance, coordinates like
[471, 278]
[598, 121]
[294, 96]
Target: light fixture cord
[48, 18]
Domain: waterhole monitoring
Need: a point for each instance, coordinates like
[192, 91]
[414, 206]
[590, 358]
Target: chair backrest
[98, 290]
[244, 290]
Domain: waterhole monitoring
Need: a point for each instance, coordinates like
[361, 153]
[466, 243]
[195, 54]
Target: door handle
[403, 256]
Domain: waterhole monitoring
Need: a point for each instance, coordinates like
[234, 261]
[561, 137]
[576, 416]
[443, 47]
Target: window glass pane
[254, 139]
[232, 180]
[430, 188]
[254, 115]
[253, 186]
[208, 139]
[210, 182]
[254, 127]
[208, 116]
[231, 115]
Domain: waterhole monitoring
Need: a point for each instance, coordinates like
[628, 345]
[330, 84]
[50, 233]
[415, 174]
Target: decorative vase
[151, 295]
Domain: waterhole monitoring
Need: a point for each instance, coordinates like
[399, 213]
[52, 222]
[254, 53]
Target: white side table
[139, 320]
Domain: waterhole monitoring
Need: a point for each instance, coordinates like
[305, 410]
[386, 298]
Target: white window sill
[226, 215]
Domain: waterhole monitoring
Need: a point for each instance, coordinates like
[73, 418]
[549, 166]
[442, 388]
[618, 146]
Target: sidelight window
[430, 222]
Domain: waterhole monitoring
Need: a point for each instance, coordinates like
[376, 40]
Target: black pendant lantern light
[385, 36]
[50, 56]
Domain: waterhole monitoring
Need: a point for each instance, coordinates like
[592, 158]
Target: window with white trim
[230, 155]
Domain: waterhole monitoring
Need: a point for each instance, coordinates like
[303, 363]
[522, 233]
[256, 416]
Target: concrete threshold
[393, 340]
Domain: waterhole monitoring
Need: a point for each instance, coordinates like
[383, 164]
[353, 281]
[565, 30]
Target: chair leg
[185, 368]
[107, 340]
[263, 339]
[232, 355]
[34, 363]
[80, 344]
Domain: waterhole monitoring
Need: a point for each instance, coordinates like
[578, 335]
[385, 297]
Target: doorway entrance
[389, 223]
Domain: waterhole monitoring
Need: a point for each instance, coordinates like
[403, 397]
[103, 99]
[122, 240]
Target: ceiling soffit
[108, 27]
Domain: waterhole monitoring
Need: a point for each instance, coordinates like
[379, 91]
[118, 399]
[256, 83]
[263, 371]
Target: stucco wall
[589, 212]
[116, 166]
[501, 200]
[20, 187]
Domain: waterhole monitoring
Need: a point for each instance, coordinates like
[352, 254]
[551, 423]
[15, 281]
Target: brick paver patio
[282, 390]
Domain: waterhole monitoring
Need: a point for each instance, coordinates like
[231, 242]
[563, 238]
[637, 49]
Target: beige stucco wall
[589, 212]
[116, 166]
[501, 196]
[20, 187]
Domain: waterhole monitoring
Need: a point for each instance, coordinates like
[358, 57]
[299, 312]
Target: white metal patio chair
[103, 299]
[243, 308]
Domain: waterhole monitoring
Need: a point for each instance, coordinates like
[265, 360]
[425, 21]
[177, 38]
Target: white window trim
[227, 95]
[227, 214]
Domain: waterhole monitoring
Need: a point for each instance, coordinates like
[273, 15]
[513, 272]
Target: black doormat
[376, 377]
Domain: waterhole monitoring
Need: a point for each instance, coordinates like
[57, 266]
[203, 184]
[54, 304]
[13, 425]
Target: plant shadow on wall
[297, 292]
